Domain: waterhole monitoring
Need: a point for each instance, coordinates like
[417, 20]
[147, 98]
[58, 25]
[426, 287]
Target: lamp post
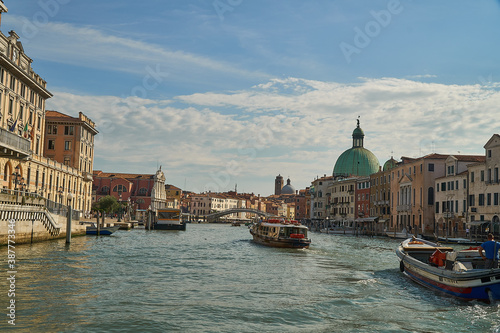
[17, 180]
[120, 208]
[68, 221]
[128, 210]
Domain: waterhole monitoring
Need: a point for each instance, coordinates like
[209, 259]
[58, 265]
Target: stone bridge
[214, 216]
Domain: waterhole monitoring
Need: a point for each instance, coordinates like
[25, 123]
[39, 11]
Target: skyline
[225, 92]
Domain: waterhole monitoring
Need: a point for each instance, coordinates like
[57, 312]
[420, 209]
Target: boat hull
[283, 243]
[473, 284]
[165, 226]
[105, 231]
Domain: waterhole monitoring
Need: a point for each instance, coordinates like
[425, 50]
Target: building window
[482, 175]
[51, 145]
[69, 130]
[67, 160]
[472, 177]
[143, 191]
[481, 199]
[488, 199]
[67, 145]
[495, 199]
[11, 105]
[489, 153]
[431, 166]
[119, 188]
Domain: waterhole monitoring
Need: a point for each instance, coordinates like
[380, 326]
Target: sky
[231, 93]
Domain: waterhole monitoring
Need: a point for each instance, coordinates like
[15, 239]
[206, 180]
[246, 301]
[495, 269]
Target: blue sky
[232, 92]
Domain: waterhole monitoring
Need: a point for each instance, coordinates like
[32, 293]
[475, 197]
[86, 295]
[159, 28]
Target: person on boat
[491, 248]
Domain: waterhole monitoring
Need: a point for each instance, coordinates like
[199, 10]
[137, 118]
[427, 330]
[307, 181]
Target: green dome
[390, 164]
[356, 161]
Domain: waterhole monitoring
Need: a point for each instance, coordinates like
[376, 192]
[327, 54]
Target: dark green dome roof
[356, 161]
[390, 164]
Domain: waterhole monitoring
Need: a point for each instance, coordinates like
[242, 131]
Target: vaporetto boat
[280, 233]
[456, 273]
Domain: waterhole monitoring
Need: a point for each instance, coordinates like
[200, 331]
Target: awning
[383, 220]
[474, 223]
[367, 219]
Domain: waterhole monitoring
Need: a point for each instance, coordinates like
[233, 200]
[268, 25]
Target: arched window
[143, 191]
[119, 188]
[104, 190]
[430, 196]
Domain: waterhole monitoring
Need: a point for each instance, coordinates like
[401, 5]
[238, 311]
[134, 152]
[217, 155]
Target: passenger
[491, 248]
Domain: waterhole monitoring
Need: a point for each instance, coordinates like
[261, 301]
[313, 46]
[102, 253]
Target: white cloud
[290, 126]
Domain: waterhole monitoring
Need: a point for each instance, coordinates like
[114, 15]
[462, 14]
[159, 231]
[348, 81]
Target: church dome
[356, 161]
[288, 188]
[390, 164]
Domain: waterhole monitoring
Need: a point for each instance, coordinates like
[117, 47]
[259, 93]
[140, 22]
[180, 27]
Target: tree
[107, 204]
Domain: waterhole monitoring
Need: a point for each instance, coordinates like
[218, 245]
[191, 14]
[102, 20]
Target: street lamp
[17, 180]
[120, 208]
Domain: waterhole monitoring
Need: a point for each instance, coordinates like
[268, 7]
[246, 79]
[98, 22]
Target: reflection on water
[213, 278]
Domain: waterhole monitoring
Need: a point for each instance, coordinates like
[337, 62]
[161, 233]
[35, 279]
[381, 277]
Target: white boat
[281, 233]
[460, 274]
[403, 234]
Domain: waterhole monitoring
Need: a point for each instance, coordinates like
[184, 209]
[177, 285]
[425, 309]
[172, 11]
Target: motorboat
[459, 274]
[103, 231]
[280, 233]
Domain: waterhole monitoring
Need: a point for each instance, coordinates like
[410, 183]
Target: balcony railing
[13, 145]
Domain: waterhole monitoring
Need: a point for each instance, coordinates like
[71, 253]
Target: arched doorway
[496, 224]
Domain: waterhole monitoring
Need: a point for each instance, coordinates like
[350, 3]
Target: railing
[14, 142]
[62, 210]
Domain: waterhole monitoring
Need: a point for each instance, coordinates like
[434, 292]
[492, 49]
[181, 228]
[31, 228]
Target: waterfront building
[451, 195]
[23, 131]
[288, 189]
[412, 192]
[319, 200]
[380, 193]
[145, 191]
[362, 199]
[484, 190]
[342, 193]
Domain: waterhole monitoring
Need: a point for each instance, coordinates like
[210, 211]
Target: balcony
[13, 145]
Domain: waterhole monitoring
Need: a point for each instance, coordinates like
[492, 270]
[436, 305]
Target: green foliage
[107, 204]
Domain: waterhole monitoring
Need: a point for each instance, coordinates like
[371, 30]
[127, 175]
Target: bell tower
[278, 184]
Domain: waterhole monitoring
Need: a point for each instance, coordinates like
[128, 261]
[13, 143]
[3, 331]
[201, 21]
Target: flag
[13, 127]
[32, 134]
[25, 132]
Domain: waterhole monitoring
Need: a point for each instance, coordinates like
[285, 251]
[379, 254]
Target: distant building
[278, 184]
[140, 188]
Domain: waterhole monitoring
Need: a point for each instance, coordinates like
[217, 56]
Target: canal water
[213, 278]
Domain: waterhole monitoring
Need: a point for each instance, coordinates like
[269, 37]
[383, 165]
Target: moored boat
[169, 219]
[456, 273]
[403, 234]
[104, 231]
[280, 233]
[458, 240]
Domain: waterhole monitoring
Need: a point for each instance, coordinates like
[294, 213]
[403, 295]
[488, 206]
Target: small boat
[104, 231]
[458, 274]
[338, 231]
[169, 219]
[281, 233]
[403, 234]
[458, 240]
[235, 224]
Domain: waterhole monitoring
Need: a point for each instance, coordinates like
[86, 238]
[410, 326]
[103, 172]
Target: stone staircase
[30, 214]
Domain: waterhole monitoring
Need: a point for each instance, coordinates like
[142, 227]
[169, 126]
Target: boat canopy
[474, 223]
